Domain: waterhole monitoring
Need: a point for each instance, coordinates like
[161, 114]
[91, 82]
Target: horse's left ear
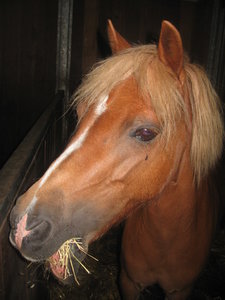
[117, 42]
[170, 48]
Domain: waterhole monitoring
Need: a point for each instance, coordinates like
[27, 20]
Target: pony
[149, 134]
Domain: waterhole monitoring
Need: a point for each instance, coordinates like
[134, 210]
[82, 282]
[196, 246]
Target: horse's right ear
[116, 41]
[170, 48]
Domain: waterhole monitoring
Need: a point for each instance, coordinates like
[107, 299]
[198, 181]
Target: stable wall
[28, 37]
[139, 22]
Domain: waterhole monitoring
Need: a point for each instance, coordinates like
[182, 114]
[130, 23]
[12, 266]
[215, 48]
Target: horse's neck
[179, 209]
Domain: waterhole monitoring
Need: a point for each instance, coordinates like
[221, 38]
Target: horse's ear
[116, 41]
[170, 48]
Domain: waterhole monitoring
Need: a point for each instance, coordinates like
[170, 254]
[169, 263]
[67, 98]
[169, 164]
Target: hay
[64, 258]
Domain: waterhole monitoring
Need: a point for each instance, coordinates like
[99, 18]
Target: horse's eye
[145, 134]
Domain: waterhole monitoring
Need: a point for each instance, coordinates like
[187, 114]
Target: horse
[149, 135]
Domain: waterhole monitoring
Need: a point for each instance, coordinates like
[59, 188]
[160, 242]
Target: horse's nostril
[38, 232]
[33, 222]
[30, 230]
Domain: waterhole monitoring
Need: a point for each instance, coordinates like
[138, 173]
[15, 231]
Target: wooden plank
[77, 44]
[90, 34]
[23, 168]
[13, 172]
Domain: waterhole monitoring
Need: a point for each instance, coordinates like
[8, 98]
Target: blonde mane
[156, 82]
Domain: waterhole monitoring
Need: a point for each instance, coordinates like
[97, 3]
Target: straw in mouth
[62, 262]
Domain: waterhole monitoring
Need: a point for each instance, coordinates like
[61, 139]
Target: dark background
[28, 40]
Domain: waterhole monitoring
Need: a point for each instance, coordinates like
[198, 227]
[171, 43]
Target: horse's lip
[59, 271]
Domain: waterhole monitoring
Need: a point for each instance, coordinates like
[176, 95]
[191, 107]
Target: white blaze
[76, 145]
[101, 106]
[100, 109]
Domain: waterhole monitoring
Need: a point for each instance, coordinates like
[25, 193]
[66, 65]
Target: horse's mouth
[67, 260]
[35, 245]
[64, 263]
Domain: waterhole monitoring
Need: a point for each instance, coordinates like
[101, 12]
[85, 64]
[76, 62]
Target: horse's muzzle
[28, 233]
